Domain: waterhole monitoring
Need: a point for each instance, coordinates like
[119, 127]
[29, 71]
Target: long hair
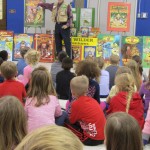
[41, 86]
[122, 132]
[13, 122]
[125, 82]
[135, 71]
[89, 69]
[148, 82]
[50, 138]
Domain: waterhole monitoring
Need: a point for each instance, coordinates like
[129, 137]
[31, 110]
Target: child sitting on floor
[13, 123]
[11, 86]
[122, 132]
[127, 100]
[42, 105]
[87, 119]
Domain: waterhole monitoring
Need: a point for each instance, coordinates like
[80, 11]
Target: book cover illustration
[146, 52]
[6, 43]
[108, 45]
[131, 46]
[34, 16]
[21, 41]
[84, 31]
[73, 32]
[93, 32]
[89, 51]
[77, 53]
[118, 18]
[44, 43]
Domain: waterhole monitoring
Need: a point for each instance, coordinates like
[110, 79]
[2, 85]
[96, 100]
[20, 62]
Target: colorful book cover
[34, 16]
[44, 43]
[84, 31]
[93, 32]
[21, 41]
[108, 45]
[146, 52]
[118, 18]
[89, 51]
[73, 32]
[77, 53]
[6, 42]
[131, 46]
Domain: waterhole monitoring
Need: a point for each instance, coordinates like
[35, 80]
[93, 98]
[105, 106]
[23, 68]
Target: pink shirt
[42, 115]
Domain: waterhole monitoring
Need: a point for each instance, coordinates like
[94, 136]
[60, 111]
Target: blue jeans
[60, 120]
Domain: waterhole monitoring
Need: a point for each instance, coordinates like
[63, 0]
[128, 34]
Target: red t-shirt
[119, 102]
[89, 114]
[13, 88]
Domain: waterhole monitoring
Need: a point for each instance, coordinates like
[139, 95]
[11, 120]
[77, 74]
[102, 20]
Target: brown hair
[122, 132]
[67, 63]
[79, 85]
[123, 69]
[88, 68]
[114, 59]
[13, 122]
[125, 82]
[8, 69]
[50, 138]
[41, 85]
[89, 58]
[32, 57]
[23, 51]
[100, 62]
[135, 71]
[148, 82]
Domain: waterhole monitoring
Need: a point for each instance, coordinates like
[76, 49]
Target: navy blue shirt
[21, 65]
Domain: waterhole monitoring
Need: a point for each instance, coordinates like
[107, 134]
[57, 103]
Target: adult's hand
[64, 27]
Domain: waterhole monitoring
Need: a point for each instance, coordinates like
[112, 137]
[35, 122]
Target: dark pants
[60, 120]
[62, 34]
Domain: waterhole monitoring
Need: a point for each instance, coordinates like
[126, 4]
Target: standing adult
[62, 16]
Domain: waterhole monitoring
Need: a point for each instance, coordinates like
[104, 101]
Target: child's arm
[58, 111]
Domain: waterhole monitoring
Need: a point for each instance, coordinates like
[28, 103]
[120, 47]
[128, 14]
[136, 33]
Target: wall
[143, 25]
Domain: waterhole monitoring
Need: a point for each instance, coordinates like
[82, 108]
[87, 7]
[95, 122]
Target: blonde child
[87, 119]
[13, 123]
[32, 58]
[52, 138]
[127, 100]
[135, 72]
[11, 86]
[122, 132]
[42, 105]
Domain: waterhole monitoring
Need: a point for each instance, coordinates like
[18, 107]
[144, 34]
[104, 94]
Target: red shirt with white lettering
[89, 114]
[13, 88]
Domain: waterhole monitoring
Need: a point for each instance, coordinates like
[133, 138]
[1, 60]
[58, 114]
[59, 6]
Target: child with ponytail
[127, 100]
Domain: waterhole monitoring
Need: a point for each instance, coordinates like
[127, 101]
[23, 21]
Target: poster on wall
[131, 46]
[108, 45]
[21, 41]
[146, 52]
[89, 51]
[6, 43]
[118, 17]
[1, 9]
[44, 43]
[77, 53]
[34, 16]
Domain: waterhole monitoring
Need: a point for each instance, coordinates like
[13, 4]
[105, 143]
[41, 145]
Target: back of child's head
[61, 56]
[123, 69]
[125, 83]
[122, 132]
[79, 85]
[50, 138]
[89, 58]
[135, 71]
[4, 55]
[41, 85]
[67, 63]
[8, 70]
[32, 57]
[114, 59]
[148, 82]
[13, 122]
[23, 51]
[89, 69]
[100, 62]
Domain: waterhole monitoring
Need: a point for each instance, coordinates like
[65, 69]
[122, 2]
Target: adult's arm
[46, 6]
[70, 16]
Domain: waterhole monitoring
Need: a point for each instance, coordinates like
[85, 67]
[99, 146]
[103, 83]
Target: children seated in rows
[87, 119]
[42, 105]
[11, 86]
